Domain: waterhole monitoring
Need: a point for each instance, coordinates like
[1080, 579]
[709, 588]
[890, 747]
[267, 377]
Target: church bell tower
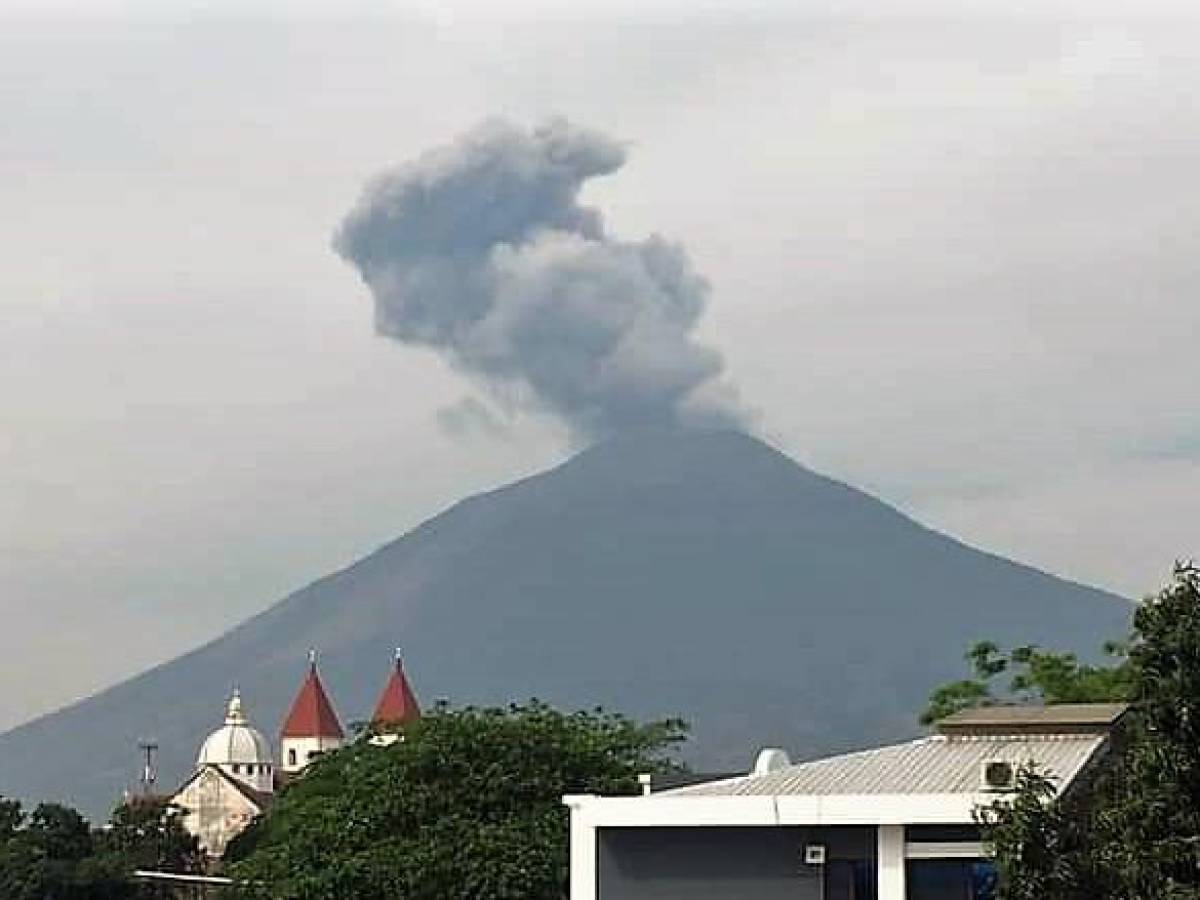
[311, 727]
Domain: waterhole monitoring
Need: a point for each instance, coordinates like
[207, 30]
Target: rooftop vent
[770, 759]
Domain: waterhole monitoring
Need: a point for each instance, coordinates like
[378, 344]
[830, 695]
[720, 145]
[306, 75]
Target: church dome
[239, 749]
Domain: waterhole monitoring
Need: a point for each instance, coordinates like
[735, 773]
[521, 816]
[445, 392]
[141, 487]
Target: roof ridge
[1025, 737]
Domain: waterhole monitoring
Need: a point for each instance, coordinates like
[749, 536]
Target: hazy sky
[950, 247]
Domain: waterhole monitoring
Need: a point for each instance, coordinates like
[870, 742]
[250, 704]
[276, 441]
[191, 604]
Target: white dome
[239, 749]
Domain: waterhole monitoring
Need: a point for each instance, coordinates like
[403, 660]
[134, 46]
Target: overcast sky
[951, 251]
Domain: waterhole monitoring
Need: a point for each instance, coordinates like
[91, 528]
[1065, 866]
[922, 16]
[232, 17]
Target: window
[850, 880]
[291, 757]
[951, 879]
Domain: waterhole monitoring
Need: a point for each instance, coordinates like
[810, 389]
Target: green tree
[1033, 843]
[11, 818]
[60, 832]
[43, 855]
[53, 854]
[18, 864]
[1147, 834]
[467, 804]
[149, 834]
[1033, 676]
[1134, 834]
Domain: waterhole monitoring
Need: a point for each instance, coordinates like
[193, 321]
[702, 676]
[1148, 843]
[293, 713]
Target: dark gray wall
[938, 834]
[745, 863]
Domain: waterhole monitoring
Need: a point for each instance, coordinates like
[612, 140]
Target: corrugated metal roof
[935, 765]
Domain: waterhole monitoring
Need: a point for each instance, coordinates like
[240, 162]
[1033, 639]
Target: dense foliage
[149, 834]
[52, 853]
[1034, 676]
[1134, 833]
[466, 805]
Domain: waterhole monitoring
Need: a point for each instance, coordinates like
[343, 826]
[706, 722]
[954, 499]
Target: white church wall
[298, 752]
[214, 810]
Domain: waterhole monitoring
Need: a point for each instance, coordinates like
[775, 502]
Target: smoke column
[481, 250]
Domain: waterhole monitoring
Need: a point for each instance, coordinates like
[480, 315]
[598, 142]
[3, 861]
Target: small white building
[890, 823]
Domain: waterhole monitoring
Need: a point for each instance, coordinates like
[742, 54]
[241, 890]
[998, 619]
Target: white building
[237, 773]
[890, 823]
[233, 781]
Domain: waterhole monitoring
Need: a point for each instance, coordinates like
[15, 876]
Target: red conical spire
[397, 704]
[312, 714]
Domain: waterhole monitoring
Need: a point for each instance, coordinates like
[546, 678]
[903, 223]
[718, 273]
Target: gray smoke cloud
[481, 250]
[469, 417]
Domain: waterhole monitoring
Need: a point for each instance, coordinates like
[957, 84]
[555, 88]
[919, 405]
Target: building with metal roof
[888, 823]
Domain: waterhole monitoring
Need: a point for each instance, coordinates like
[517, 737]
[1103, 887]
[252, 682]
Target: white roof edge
[843, 809]
[577, 800]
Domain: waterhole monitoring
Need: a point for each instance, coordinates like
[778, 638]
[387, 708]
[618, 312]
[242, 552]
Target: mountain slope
[698, 574]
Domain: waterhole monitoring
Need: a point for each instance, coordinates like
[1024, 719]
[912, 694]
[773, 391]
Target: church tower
[312, 727]
[397, 704]
[397, 707]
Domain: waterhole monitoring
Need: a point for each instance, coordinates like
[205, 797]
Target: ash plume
[482, 251]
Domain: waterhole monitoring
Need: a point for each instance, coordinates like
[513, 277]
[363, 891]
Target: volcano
[692, 574]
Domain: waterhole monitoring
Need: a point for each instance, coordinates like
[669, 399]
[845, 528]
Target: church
[237, 772]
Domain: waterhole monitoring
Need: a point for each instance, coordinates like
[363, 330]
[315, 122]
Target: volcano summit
[699, 574]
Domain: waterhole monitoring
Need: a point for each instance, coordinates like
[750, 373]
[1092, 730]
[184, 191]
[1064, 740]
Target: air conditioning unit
[814, 854]
[998, 775]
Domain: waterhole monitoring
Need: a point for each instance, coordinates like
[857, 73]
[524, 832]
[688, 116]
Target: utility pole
[149, 770]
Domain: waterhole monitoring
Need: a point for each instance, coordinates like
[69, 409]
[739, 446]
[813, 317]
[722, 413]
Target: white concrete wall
[582, 855]
[304, 748]
[214, 811]
[890, 859]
